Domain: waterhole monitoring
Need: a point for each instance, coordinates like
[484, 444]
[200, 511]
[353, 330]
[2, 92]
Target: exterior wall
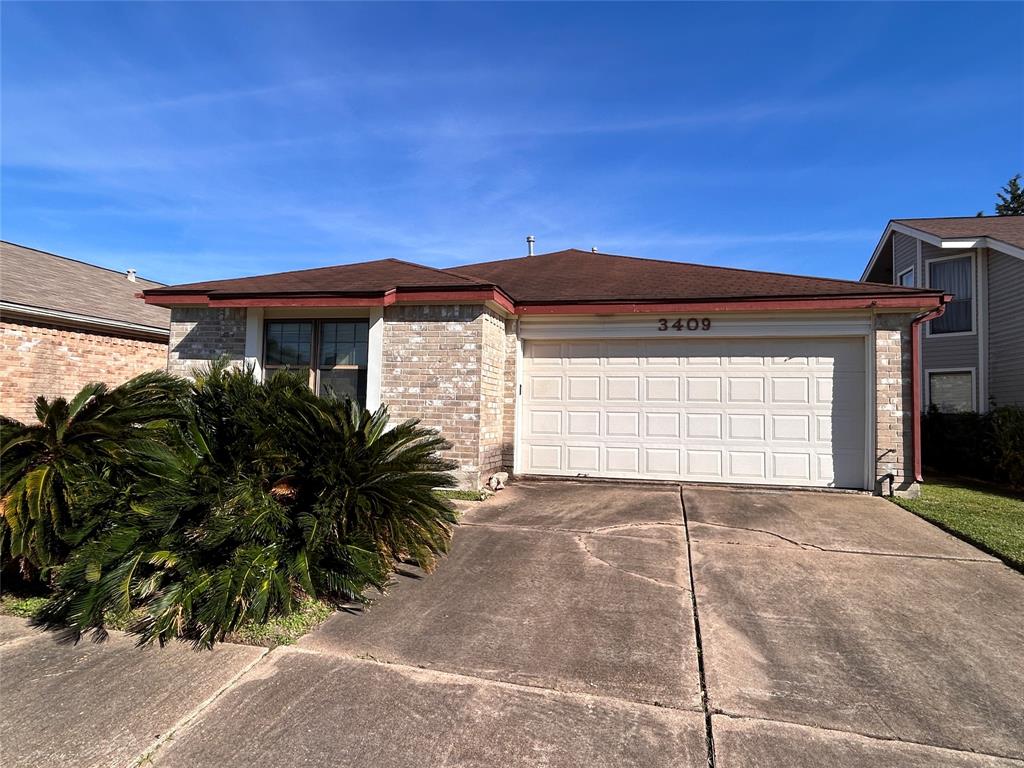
[508, 442]
[894, 445]
[904, 256]
[445, 365]
[41, 359]
[492, 393]
[947, 352]
[1005, 329]
[201, 334]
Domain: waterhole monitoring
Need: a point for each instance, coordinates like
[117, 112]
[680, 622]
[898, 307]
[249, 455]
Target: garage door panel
[784, 411]
[622, 458]
[583, 423]
[662, 424]
[583, 458]
[623, 424]
[663, 461]
[703, 389]
[703, 425]
[745, 389]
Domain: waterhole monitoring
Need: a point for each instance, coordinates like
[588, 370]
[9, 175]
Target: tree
[1011, 198]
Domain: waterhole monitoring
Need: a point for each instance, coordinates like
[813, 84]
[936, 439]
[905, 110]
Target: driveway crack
[794, 542]
[583, 545]
[709, 733]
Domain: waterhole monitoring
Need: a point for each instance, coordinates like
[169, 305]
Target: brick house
[580, 363]
[65, 323]
[972, 357]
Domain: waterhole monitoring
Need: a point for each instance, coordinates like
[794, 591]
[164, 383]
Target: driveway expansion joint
[147, 756]
[861, 734]
[447, 675]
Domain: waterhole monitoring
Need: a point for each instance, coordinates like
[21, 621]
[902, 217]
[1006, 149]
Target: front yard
[988, 517]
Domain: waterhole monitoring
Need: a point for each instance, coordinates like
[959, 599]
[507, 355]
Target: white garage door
[772, 411]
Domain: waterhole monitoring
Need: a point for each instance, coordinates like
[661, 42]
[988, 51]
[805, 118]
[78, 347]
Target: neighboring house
[65, 323]
[973, 355]
[587, 364]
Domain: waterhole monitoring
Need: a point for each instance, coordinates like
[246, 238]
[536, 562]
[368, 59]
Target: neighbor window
[906, 278]
[332, 352]
[951, 391]
[953, 276]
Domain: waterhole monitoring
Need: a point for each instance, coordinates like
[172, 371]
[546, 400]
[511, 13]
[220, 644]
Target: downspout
[915, 377]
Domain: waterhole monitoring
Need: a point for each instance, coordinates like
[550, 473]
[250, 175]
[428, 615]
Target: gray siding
[904, 255]
[948, 351]
[1005, 328]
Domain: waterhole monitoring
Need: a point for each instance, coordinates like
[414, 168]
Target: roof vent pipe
[130, 274]
[593, 249]
[530, 240]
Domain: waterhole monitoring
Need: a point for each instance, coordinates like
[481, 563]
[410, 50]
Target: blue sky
[195, 141]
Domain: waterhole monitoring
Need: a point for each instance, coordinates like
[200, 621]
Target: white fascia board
[42, 313]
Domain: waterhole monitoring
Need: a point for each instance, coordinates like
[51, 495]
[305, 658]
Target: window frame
[972, 258]
[313, 367]
[973, 372]
[909, 271]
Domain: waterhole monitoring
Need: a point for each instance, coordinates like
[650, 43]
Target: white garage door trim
[747, 327]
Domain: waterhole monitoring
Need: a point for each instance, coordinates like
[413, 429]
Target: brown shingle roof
[1006, 229]
[46, 281]
[575, 276]
[564, 277]
[364, 278]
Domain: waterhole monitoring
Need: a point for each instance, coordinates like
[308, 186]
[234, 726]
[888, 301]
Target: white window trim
[973, 256]
[907, 271]
[928, 384]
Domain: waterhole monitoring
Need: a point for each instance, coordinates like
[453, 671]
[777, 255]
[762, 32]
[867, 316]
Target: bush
[257, 499]
[988, 446]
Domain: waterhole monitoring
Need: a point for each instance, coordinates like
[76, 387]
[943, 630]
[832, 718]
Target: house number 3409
[689, 324]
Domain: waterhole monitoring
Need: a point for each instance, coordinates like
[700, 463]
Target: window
[333, 352]
[953, 276]
[951, 391]
[906, 278]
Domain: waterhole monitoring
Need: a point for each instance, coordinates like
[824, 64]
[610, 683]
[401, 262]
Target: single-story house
[65, 323]
[586, 364]
[973, 356]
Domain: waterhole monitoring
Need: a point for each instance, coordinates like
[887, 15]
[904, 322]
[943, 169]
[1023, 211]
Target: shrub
[265, 495]
[986, 446]
[56, 474]
[1007, 441]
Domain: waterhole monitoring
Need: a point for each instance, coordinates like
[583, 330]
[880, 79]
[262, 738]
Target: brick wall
[508, 444]
[894, 446]
[445, 365]
[492, 393]
[201, 334]
[40, 359]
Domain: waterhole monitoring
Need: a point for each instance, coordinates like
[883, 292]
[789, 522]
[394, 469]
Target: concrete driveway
[834, 630]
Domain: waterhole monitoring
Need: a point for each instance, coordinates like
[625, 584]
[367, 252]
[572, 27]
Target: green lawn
[991, 518]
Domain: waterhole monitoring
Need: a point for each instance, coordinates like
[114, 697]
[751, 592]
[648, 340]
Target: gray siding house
[972, 357]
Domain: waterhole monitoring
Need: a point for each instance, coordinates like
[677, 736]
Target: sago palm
[53, 471]
[270, 494]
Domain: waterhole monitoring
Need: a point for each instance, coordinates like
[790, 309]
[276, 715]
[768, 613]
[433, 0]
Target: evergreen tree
[1011, 198]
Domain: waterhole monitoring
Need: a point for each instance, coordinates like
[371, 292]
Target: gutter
[915, 377]
[9, 308]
